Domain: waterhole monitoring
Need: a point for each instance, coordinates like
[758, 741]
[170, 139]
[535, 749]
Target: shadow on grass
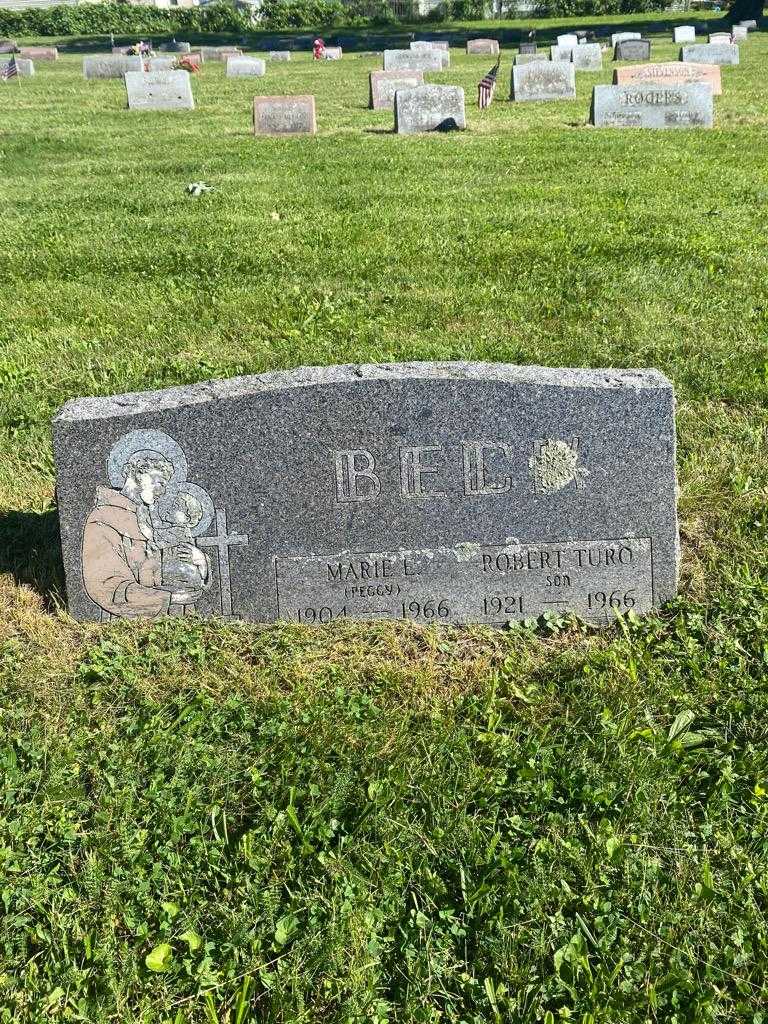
[30, 551]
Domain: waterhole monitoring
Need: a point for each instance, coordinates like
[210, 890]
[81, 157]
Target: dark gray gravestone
[633, 49]
[640, 105]
[437, 492]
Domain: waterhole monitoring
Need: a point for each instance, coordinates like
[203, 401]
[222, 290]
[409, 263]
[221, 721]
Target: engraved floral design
[554, 465]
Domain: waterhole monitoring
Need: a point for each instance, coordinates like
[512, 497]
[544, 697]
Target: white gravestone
[429, 108]
[588, 57]
[619, 37]
[245, 66]
[159, 90]
[412, 60]
[684, 34]
[553, 80]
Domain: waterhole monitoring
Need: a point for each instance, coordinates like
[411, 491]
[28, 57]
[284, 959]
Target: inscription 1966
[470, 582]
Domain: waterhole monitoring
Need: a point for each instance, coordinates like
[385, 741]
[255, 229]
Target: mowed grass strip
[208, 822]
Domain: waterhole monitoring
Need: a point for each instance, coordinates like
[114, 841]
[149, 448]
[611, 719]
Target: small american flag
[9, 70]
[487, 87]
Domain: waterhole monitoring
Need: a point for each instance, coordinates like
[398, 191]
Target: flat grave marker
[280, 55]
[159, 90]
[466, 493]
[652, 106]
[284, 115]
[429, 108]
[551, 80]
[384, 84]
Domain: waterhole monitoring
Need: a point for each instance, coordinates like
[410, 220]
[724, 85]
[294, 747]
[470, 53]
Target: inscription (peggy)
[469, 582]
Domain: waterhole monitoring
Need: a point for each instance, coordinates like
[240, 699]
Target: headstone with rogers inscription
[638, 105]
[467, 493]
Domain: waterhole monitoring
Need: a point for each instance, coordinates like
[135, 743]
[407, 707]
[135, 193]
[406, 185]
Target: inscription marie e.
[486, 470]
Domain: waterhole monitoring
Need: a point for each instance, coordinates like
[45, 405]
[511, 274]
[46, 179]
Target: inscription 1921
[596, 579]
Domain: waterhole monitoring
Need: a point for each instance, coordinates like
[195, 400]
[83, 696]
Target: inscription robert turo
[466, 492]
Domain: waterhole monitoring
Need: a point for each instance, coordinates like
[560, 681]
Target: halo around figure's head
[145, 441]
[166, 503]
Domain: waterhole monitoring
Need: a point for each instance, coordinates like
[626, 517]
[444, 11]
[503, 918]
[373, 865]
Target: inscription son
[466, 492]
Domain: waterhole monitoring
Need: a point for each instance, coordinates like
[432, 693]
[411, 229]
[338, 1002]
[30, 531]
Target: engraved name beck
[552, 466]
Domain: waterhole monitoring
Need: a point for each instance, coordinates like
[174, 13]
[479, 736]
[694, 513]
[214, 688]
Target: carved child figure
[186, 570]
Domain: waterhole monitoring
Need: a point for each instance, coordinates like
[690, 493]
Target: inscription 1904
[467, 492]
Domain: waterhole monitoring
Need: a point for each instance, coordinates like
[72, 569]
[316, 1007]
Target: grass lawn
[385, 823]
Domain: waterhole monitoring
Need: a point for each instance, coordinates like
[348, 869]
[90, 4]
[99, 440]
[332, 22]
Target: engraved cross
[223, 541]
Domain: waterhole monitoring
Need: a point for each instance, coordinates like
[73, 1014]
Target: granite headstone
[39, 53]
[280, 55]
[431, 492]
[250, 67]
[709, 53]
[561, 52]
[284, 115]
[429, 108]
[161, 63]
[719, 37]
[24, 68]
[588, 57]
[527, 48]
[384, 84]
[531, 58]
[619, 37]
[545, 80]
[568, 40]
[670, 73]
[485, 46]
[652, 106]
[109, 66]
[684, 34]
[159, 90]
[633, 49]
[738, 34]
[413, 60]
[748, 23]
